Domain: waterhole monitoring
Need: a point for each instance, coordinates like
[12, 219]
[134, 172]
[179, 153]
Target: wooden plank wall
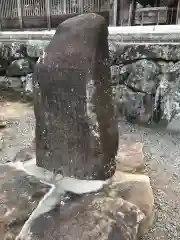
[40, 22]
[45, 14]
[151, 16]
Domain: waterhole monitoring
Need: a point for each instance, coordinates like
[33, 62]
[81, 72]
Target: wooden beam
[115, 13]
[178, 13]
[19, 8]
[81, 6]
[118, 19]
[48, 14]
[151, 9]
[132, 10]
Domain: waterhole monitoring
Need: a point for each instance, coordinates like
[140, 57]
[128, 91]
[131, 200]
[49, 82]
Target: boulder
[130, 158]
[20, 67]
[13, 50]
[73, 101]
[143, 76]
[136, 107]
[95, 217]
[35, 48]
[27, 83]
[126, 53]
[168, 95]
[122, 210]
[136, 189]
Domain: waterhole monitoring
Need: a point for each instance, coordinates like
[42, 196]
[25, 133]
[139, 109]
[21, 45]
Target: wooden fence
[132, 13]
[156, 16]
[45, 14]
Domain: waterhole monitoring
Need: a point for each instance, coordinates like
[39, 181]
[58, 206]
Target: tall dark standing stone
[73, 101]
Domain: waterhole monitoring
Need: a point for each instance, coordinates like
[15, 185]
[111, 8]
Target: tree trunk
[75, 127]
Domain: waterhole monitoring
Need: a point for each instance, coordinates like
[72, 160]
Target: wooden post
[178, 13]
[19, 8]
[132, 10]
[115, 13]
[99, 5]
[48, 14]
[118, 19]
[0, 23]
[124, 9]
[81, 6]
[65, 6]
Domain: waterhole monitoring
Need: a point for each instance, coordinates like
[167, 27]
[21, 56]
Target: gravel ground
[162, 152]
[161, 148]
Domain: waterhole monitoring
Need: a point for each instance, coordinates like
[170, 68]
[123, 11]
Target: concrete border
[152, 34]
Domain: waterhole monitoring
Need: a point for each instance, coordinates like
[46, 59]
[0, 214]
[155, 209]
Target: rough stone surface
[152, 72]
[143, 76]
[137, 107]
[130, 158]
[19, 196]
[147, 68]
[96, 217]
[27, 82]
[133, 52]
[20, 67]
[139, 192]
[12, 51]
[36, 48]
[119, 211]
[73, 101]
[147, 63]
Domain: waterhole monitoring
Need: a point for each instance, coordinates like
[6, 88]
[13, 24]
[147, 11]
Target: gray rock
[13, 83]
[123, 74]
[20, 67]
[112, 51]
[168, 93]
[114, 212]
[115, 74]
[165, 66]
[129, 52]
[11, 51]
[135, 106]
[27, 83]
[94, 216]
[18, 193]
[35, 48]
[4, 83]
[143, 76]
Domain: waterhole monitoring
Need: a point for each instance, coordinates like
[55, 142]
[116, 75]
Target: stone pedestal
[76, 132]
